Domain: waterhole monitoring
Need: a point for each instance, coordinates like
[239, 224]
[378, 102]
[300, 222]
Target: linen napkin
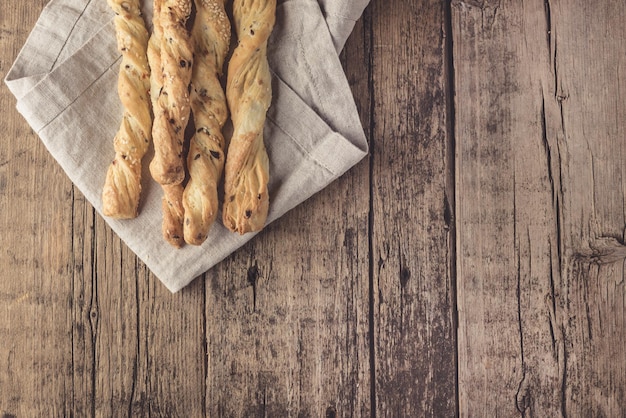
[65, 82]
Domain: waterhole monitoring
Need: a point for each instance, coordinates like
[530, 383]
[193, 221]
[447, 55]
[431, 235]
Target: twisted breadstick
[171, 52]
[249, 96]
[172, 112]
[122, 187]
[205, 161]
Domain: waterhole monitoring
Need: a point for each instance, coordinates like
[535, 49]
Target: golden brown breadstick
[205, 161]
[122, 188]
[170, 55]
[172, 208]
[249, 94]
[171, 114]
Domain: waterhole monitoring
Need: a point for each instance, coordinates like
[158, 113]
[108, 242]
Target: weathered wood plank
[171, 375]
[412, 198]
[148, 343]
[586, 136]
[84, 306]
[35, 324]
[495, 118]
[287, 318]
[535, 105]
[287, 315]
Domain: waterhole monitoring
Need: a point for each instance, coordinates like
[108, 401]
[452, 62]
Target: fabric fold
[67, 93]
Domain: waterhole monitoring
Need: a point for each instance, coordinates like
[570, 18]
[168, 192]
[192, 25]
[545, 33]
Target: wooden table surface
[472, 265]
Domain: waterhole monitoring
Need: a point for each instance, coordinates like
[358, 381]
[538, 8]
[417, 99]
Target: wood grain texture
[540, 205]
[586, 133]
[132, 340]
[412, 240]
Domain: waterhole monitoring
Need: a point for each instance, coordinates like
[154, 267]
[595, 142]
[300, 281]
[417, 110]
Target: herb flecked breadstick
[172, 208]
[172, 48]
[249, 94]
[122, 188]
[172, 112]
[205, 161]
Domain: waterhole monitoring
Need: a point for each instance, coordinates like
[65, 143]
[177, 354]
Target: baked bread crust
[122, 187]
[171, 52]
[171, 114]
[205, 160]
[173, 214]
[249, 95]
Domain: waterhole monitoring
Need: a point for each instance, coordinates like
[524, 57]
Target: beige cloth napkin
[65, 82]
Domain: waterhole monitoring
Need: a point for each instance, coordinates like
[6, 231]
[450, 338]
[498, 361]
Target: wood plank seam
[450, 206]
[368, 24]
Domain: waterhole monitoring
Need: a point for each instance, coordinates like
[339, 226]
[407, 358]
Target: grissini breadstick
[249, 94]
[122, 187]
[171, 52]
[172, 208]
[205, 160]
[172, 112]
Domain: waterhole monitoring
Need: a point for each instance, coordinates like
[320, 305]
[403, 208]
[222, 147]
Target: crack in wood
[253, 278]
[549, 39]
[369, 42]
[93, 314]
[522, 401]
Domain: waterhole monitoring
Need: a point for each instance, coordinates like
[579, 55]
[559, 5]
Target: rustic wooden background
[473, 265]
